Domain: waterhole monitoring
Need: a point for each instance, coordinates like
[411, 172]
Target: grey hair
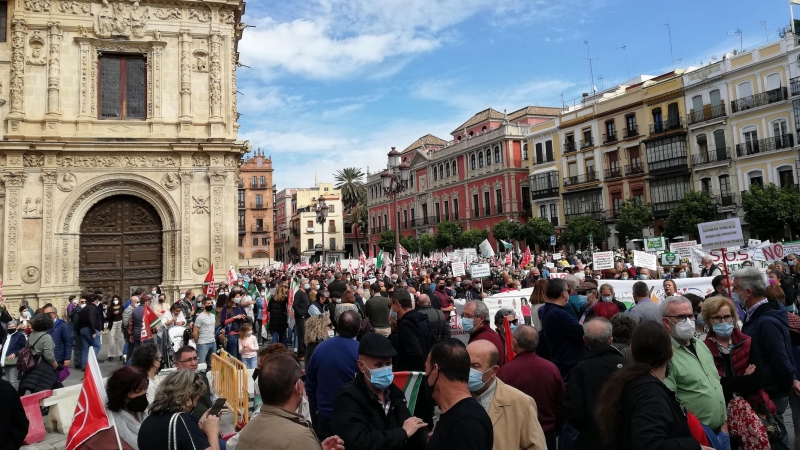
[527, 337]
[480, 310]
[707, 259]
[55, 310]
[304, 280]
[500, 315]
[751, 278]
[677, 299]
[176, 391]
[597, 337]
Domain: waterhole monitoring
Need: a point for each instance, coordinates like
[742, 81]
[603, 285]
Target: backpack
[26, 360]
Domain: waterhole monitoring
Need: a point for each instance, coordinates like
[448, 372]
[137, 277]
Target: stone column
[186, 211]
[49, 179]
[155, 87]
[217, 180]
[17, 108]
[215, 85]
[186, 78]
[14, 182]
[54, 69]
[88, 107]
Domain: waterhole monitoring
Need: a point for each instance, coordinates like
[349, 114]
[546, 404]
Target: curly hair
[145, 356]
[176, 391]
[122, 382]
[41, 322]
[622, 326]
[317, 328]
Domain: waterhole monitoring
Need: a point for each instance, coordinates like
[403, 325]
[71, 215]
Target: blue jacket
[15, 343]
[62, 338]
[561, 339]
[769, 329]
[332, 366]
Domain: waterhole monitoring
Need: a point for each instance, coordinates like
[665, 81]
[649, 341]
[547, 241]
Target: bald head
[597, 333]
[484, 353]
[423, 300]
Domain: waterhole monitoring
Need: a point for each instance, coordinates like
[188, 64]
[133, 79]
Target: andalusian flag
[380, 261]
[253, 291]
[505, 244]
[411, 385]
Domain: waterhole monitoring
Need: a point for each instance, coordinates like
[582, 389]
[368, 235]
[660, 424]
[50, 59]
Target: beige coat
[514, 420]
[277, 429]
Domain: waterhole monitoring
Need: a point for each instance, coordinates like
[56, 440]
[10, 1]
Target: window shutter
[110, 76]
[136, 90]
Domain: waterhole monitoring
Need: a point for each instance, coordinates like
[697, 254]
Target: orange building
[256, 216]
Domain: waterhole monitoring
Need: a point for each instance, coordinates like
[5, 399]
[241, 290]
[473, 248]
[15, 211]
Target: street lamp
[395, 181]
[322, 218]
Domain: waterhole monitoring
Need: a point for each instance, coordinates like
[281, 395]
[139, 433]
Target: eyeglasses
[720, 319]
[682, 317]
[464, 316]
[513, 322]
[189, 360]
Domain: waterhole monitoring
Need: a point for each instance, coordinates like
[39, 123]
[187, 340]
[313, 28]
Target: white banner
[486, 249]
[603, 260]
[623, 289]
[646, 260]
[458, 269]
[683, 248]
[480, 270]
[734, 260]
[509, 300]
[721, 233]
[470, 255]
[556, 256]
[458, 255]
[791, 247]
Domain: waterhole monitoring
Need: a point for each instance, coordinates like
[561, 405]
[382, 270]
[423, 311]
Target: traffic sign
[552, 239]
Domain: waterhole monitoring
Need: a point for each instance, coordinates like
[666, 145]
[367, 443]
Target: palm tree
[350, 181]
[358, 218]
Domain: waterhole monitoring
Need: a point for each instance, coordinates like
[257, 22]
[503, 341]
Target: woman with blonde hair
[318, 328]
[538, 298]
[171, 421]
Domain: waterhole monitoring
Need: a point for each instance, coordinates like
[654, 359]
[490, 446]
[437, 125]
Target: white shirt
[181, 321]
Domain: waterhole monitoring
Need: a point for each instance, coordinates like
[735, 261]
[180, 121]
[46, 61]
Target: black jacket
[651, 417]
[90, 317]
[359, 419]
[337, 288]
[278, 316]
[769, 329]
[13, 421]
[413, 342]
[583, 387]
[301, 304]
[439, 326]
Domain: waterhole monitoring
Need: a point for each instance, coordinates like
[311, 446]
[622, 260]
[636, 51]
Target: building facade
[256, 217]
[119, 146]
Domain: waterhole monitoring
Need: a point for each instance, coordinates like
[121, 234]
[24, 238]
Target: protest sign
[550, 265]
[458, 269]
[486, 249]
[698, 285]
[646, 260]
[791, 247]
[773, 252]
[513, 300]
[459, 255]
[670, 259]
[556, 256]
[480, 270]
[683, 248]
[559, 275]
[721, 234]
[470, 255]
[655, 244]
[603, 260]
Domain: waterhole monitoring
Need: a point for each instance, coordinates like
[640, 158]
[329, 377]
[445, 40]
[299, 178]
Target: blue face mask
[468, 325]
[381, 378]
[513, 327]
[682, 275]
[642, 277]
[476, 379]
[699, 321]
[723, 329]
[578, 301]
[735, 298]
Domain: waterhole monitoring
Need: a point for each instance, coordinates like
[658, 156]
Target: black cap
[376, 346]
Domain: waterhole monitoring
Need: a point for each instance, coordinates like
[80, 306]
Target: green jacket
[695, 381]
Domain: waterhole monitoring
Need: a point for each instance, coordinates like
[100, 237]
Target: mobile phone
[217, 407]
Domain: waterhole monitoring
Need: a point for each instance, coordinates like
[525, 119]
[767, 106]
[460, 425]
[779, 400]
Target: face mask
[208, 307]
[348, 279]
[476, 379]
[458, 284]
[429, 389]
[468, 325]
[393, 314]
[685, 330]
[74, 302]
[441, 288]
[138, 404]
[682, 275]
[381, 378]
[607, 298]
[723, 329]
[642, 277]
[700, 321]
[624, 277]
[513, 327]
[578, 300]
[791, 262]
[338, 300]
[116, 302]
[183, 296]
[161, 300]
[306, 286]
[331, 333]
[735, 298]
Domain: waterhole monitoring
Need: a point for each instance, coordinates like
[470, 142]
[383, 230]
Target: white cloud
[452, 92]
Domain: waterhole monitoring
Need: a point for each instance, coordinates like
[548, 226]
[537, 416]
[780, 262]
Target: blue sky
[336, 83]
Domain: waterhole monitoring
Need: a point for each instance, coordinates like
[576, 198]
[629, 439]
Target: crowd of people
[578, 368]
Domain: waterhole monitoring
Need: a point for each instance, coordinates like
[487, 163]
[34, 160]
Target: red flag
[209, 290]
[90, 413]
[232, 277]
[508, 337]
[149, 320]
[508, 259]
[363, 260]
[526, 258]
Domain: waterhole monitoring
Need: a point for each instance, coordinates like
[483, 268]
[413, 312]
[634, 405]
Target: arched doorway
[121, 246]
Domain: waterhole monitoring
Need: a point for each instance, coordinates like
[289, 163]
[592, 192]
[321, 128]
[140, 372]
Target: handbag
[775, 431]
[26, 360]
[172, 432]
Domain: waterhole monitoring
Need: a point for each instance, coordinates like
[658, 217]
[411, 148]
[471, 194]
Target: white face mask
[685, 330]
[338, 300]
[116, 302]
[183, 296]
[331, 333]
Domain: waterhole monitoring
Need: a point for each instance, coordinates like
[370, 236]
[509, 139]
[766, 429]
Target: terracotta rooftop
[534, 111]
[483, 116]
[428, 139]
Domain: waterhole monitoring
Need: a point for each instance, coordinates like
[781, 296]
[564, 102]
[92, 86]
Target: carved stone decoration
[139, 17]
[200, 161]
[20, 29]
[30, 274]
[33, 160]
[32, 208]
[54, 68]
[170, 181]
[232, 161]
[116, 161]
[200, 15]
[200, 266]
[234, 90]
[49, 179]
[83, 31]
[216, 224]
[201, 205]
[186, 194]
[37, 50]
[215, 71]
[67, 182]
[227, 17]
[73, 7]
[200, 58]
[186, 73]
[168, 14]
[121, 19]
[37, 5]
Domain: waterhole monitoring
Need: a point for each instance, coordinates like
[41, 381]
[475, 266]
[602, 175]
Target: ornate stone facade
[62, 154]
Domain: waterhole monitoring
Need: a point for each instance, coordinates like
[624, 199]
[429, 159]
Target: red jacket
[488, 334]
[540, 379]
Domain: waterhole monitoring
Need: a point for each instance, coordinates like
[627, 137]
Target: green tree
[633, 216]
[358, 218]
[505, 230]
[767, 209]
[536, 231]
[471, 238]
[350, 181]
[447, 234]
[410, 243]
[387, 241]
[694, 208]
[580, 228]
[427, 243]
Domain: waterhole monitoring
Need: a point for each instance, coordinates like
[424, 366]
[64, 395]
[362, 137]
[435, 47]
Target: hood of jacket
[417, 318]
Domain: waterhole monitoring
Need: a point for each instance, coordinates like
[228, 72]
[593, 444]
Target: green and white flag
[506, 244]
[409, 383]
[379, 264]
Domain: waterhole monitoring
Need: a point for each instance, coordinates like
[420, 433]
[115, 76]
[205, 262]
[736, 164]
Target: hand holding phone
[217, 407]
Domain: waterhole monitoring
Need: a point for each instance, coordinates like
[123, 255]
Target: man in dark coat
[359, 415]
[13, 421]
[586, 380]
[62, 339]
[413, 334]
[337, 287]
[439, 326]
[300, 307]
[91, 327]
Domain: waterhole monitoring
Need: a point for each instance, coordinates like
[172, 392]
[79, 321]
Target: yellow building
[309, 237]
[544, 181]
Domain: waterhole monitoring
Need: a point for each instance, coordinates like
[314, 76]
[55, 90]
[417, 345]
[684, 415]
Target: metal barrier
[230, 382]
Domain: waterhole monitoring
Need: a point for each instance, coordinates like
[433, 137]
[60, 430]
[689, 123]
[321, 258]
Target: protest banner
[559, 275]
[623, 290]
[773, 252]
[459, 255]
[753, 242]
[470, 255]
[550, 265]
[480, 270]
[458, 269]
[670, 259]
[603, 260]
[721, 234]
[646, 260]
[486, 249]
[556, 256]
[791, 247]
[513, 300]
[683, 248]
[655, 244]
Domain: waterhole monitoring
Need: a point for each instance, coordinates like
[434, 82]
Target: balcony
[259, 206]
[455, 215]
[609, 138]
[424, 221]
[662, 209]
[597, 214]
[447, 217]
[554, 221]
[257, 186]
[487, 210]
[726, 200]
[295, 231]
[476, 212]
[707, 113]
[711, 157]
[331, 229]
[259, 229]
[543, 192]
[794, 84]
[569, 147]
[545, 160]
[765, 145]
[637, 168]
[756, 100]
[630, 132]
[674, 163]
[665, 126]
[586, 143]
[581, 179]
[241, 205]
[614, 172]
[242, 229]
